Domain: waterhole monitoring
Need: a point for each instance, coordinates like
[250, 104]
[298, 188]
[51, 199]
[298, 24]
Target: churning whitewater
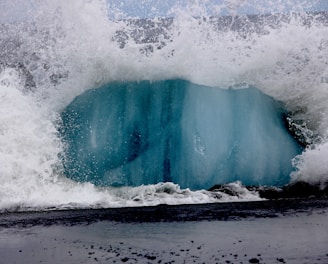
[102, 108]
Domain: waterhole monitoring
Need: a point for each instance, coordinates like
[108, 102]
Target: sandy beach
[267, 232]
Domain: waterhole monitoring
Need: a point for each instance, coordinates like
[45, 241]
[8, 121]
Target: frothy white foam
[71, 47]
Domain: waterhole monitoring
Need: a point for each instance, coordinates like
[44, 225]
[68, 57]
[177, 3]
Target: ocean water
[102, 108]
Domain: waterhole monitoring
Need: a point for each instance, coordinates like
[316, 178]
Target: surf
[59, 53]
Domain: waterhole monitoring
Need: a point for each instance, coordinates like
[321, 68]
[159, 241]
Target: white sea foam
[69, 47]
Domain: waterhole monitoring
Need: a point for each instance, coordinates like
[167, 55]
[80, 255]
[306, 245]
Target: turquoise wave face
[134, 133]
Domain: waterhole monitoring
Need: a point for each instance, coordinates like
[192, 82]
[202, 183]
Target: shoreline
[276, 231]
[227, 211]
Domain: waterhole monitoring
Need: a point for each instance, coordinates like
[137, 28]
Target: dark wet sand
[288, 231]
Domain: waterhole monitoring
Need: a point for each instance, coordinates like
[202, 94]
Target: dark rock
[150, 257]
[227, 189]
[293, 190]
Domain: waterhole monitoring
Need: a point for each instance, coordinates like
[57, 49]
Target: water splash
[62, 49]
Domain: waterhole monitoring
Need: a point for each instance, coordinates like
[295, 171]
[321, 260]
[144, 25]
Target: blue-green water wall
[136, 133]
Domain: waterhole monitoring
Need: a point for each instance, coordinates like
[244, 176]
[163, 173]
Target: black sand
[281, 231]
